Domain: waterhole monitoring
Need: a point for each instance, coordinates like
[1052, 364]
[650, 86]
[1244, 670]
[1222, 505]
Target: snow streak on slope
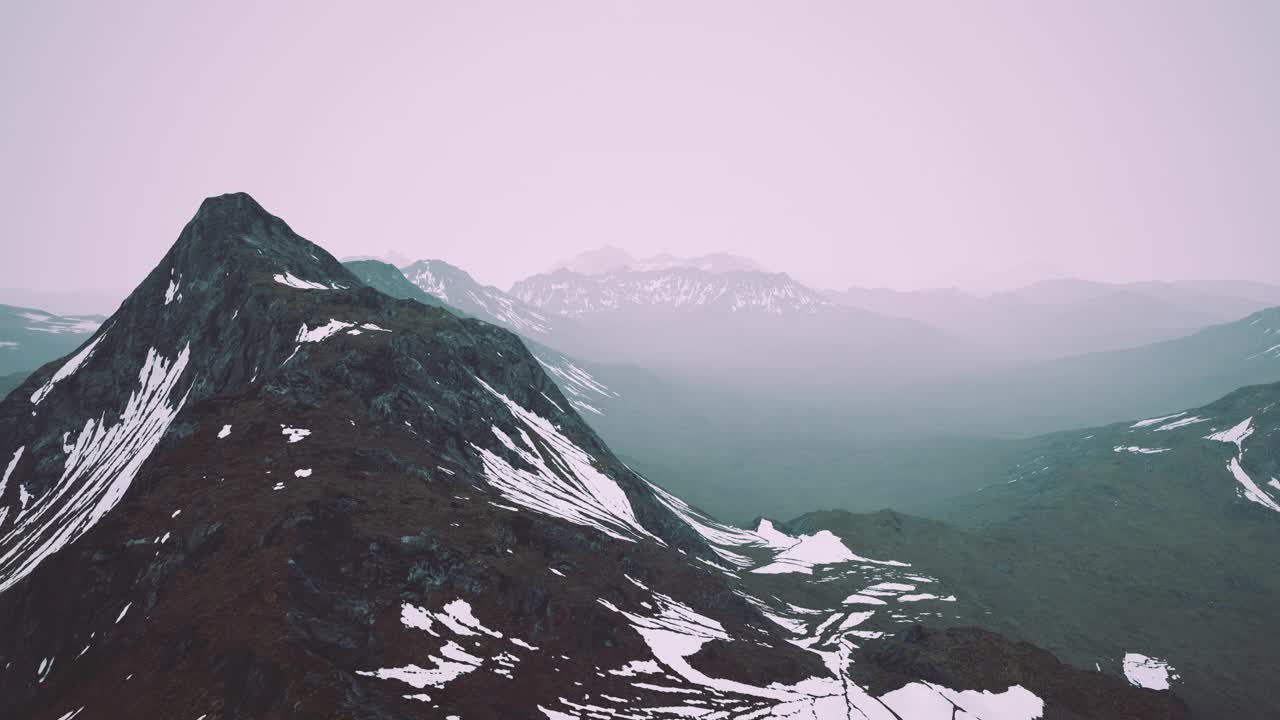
[67, 370]
[318, 334]
[1156, 420]
[584, 391]
[505, 311]
[99, 468]
[454, 623]
[290, 280]
[1183, 422]
[1251, 491]
[1236, 435]
[1134, 449]
[559, 478]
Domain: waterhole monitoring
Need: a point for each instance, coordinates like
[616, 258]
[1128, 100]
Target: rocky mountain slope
[262, 489]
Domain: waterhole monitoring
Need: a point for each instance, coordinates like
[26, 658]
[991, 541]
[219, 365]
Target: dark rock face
[264, 490]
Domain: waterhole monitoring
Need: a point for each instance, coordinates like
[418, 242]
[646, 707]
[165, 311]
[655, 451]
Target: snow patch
[1252, 492]
[1181, 423]
[172, 291]
[1148, 672]
[1139, 450]
[1158, 420]
[317, 334]
[293, 281]
[1236, 434]
[295, 434]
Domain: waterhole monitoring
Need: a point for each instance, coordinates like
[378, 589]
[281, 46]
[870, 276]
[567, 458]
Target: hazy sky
[902, 144]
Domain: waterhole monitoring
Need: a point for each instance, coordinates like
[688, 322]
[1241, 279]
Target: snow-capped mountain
[456, 288]
[262, 489]
[575, 295]
[609, 259]
[744, 328]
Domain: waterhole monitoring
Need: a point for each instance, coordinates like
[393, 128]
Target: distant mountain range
[680, 369]
[611, 259]
[717, 381]
[29, 337]
[1089, 389]
[67, 303]
[1060, 318]
[575, 295]
[262, 489]
[455, 287]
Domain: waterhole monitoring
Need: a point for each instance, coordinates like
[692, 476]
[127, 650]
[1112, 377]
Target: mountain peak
[230, 203]
[232, 235]
[455, 286]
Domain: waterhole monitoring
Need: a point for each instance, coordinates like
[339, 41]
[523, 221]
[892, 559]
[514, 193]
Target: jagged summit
[233, 232]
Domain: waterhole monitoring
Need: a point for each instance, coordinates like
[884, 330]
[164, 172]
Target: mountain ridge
[328, 502]
[574, 294]
[612, 259]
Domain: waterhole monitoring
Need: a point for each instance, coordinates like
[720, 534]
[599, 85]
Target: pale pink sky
[904, 144]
